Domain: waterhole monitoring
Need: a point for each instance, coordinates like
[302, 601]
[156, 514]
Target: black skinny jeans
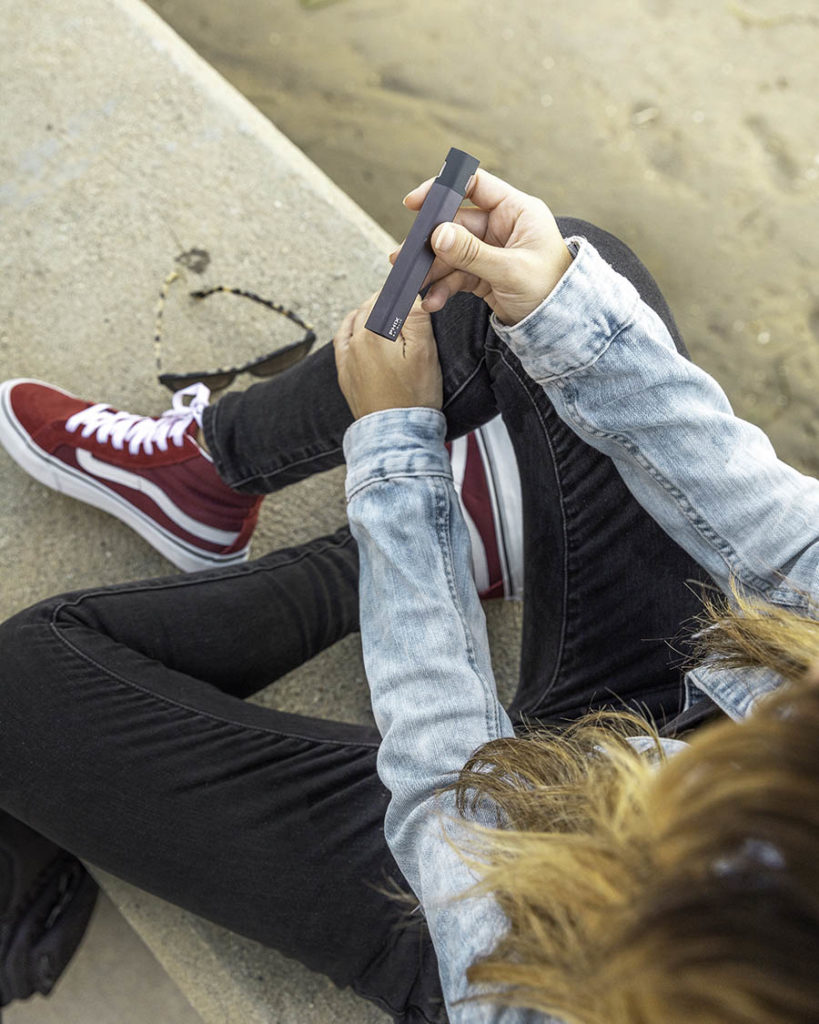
[124, 736]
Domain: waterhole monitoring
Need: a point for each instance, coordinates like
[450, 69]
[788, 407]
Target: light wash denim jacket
[712, 481]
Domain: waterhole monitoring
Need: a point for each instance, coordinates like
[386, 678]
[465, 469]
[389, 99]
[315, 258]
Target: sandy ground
[690, 129]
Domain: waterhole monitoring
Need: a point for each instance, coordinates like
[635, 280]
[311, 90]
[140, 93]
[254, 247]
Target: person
[552, 873]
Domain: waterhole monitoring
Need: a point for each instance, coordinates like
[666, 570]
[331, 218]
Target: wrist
[385, 405]
[555, 270]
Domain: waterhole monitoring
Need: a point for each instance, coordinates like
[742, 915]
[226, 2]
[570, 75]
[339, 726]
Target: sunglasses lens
[283, 359]
[214, 381]
[217, 381]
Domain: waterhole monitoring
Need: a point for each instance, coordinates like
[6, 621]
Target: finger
[346, 323]
[473, 219]
[437, 299]
[439, 270]
[487, 191]
[455, 281]
[414, 199]
[361, 317]
[464, 251]
[342, 335]
[363, 311]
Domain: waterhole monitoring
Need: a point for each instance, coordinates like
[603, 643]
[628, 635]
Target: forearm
[423, 630]
[712, 480]
[426, 654]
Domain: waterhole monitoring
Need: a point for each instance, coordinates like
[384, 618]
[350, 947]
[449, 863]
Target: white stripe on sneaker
[103, 471]
[501, 467]
[480, 565]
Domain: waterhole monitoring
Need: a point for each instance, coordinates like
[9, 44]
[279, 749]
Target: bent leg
[238, 628]
[607, 593]
[606, 590]
[283, 430]
[268, 823]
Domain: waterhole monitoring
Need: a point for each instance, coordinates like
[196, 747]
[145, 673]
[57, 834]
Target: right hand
[507, 249]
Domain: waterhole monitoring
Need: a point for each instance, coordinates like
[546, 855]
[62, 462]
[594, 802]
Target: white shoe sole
[58, 476]
[503, 477]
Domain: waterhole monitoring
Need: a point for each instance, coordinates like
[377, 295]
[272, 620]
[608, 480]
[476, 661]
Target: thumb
[464, 251]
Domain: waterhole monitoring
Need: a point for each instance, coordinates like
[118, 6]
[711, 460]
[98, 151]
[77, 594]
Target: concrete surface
[122, 151]
[690, 128]
[113, 979]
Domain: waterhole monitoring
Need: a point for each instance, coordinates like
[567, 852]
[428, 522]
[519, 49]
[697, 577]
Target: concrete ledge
[124, 150]
[231, 980]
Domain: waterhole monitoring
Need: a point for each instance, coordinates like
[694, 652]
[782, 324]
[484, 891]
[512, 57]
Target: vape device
[412, 264]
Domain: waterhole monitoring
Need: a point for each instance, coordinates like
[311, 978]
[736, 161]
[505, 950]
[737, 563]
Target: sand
[688, 129]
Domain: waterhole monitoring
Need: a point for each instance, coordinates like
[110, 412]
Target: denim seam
[719, 544]
[565, 598]
[55, 629]
[183, 580]
[291, 463]
[443, 529]
[197, 711]
[403, 475]
[464, 384]
[209, 432]
[594, 354]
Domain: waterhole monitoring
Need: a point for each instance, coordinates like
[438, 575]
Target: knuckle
[540, 210]
[471, 249]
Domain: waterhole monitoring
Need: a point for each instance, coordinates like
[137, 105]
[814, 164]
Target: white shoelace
[121, 428]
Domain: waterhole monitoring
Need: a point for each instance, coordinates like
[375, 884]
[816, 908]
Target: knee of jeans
[19, 634]
[20, 639]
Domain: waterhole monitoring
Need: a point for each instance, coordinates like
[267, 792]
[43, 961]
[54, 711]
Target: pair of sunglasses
[264, 366]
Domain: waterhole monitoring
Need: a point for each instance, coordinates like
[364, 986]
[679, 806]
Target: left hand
[375, 373]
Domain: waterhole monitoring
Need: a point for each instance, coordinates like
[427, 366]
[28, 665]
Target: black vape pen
[412, 264]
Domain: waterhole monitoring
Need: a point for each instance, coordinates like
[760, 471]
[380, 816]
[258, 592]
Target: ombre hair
[645, 893]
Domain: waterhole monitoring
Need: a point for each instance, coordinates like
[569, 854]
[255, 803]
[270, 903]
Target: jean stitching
[408, 475]
[565, 598]
[172, 583]
[716, 542]
[106, 670]
[198, 711]
[468, 380]
[271, 474]
[443, 527]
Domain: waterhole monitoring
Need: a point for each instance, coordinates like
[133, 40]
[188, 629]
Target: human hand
[507, 249]
[375, 373]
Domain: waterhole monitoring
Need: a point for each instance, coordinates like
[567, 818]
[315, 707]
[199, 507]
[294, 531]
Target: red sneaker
[487, 483]
[150, 473]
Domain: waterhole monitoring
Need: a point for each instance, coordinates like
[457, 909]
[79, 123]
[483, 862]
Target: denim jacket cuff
[588, 307]
[395, 442]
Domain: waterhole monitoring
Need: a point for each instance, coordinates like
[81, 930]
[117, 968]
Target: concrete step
[123, 150]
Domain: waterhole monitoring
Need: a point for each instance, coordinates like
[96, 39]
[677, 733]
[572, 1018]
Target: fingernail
[445, 238]
[406, 197]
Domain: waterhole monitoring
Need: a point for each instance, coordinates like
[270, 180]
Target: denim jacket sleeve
[426, 656]
[710, 479]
